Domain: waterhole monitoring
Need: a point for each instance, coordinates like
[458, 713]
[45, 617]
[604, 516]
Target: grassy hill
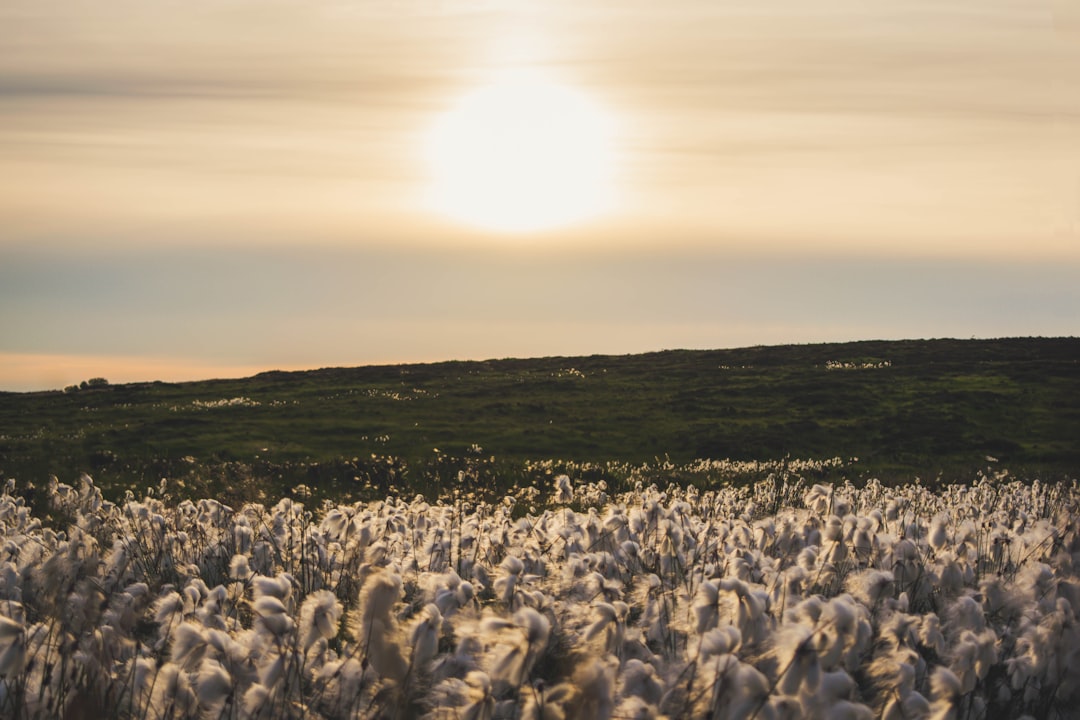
[902, 408]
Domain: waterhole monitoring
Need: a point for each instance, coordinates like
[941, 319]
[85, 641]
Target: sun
[521, 154]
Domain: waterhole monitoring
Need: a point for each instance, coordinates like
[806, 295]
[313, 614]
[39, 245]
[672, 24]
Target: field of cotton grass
[784, 599]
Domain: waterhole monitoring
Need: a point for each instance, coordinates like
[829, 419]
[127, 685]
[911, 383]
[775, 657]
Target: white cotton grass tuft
[890, 676]
[706, 612]
[863, 541]
[188, 646]
[232, 650]
[340, 682]
[594, 681]
[972, 657]
[945, 693]
[424, 636]
[172, 692]
[847, 710]
[609, 626]
[521, 641]
[257, 701]
[12, 647]
[870, 587]
[834, 686]
[273, 616]
[319, 616]
[168, 609]
[807, 559]
[939, 535]
[462, 661]
[721, 641]
[479, 703]
[640, 679]
[378, 596]
[635, 708]
[143, 672]
[841, 627]
[239, 568]
[930, 635]
[213, 684]
[10, 629]
[965, 614]
[950, 574]
[818, 498]
[543, 702]
[469, 698]
[748, 690]
[506, 583]
[564, 490]
[798, 660]
[275, 665]
[789, 586]
[536, 627]
[749, 612]
[376, 629]
[279, 587]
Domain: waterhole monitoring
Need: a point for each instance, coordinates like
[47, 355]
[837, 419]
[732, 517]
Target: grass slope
[903, 408]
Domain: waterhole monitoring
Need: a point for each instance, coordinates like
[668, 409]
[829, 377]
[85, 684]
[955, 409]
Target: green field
[904, 409]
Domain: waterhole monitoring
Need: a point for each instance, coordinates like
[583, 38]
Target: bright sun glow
[522, 154]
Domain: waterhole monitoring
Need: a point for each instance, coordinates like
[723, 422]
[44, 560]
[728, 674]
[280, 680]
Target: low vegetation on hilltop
[903, 409]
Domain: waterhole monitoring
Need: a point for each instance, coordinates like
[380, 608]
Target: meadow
[780, 599]
[893, 532]
[890, 410]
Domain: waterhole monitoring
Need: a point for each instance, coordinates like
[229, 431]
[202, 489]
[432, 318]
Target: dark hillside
[902, 408]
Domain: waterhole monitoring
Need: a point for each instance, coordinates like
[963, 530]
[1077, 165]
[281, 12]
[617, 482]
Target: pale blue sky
[214, 188]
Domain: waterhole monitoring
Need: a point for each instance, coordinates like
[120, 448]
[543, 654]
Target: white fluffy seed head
[424, 637]
[273, 616]
[945, 687]
[213, 684]
[172, 689]
[721, 641]
[380, 593]
[535, 626]
[938, 534]
[705, 606]
[167, 607]
[564, 489]
[513, 565]
[256, 699]
[238, 567]
[188, 645]
[12, 649]
[319, 616]
[9, 630]
[279, 587]
[870, 587]
[798, 658]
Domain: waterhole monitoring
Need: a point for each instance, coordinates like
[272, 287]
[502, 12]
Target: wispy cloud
[900, 125]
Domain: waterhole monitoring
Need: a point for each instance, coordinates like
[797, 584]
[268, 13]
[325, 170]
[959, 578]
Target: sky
[214, 188]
